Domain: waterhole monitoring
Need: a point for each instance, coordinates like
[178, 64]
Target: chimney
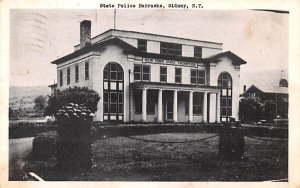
[244, 88]
[85, 33]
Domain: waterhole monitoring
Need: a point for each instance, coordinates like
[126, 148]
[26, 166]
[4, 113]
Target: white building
[145, 77]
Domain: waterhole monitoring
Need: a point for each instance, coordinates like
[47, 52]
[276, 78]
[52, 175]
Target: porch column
[218, 108]
[144, 105]
[175, 106]
[191, 120]
[159, 106]
[205, 107]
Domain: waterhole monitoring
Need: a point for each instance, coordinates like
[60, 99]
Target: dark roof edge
[229, 54]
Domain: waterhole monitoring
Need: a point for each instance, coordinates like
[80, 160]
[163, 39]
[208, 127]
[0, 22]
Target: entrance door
[169, 110]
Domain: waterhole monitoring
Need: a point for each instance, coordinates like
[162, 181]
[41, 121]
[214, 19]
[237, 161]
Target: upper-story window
[198, 51]
[178, 73]
[197, 76]
[76, 73]
[68, 75]
[163, 74]
[142, 72]
[142, 45]
[170, 48]
[61, 79]
[87, 70]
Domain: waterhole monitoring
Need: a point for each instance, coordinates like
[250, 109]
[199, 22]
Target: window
[225, 81]
[113, 86]
[163, 74]
[146, 73]
[68, 75]
[198, 51]
[197, 77]
[137, 72]
[142, 72]
[61, 81]
[142, 45]
[87, 70]
[178, 75]
[201, 77]
[138, 101]
[76, 73]
[170, 48]
[197, 103]
[193, 76]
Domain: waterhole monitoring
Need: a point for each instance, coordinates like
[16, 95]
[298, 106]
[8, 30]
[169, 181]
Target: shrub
[44, 145]
[79, 95]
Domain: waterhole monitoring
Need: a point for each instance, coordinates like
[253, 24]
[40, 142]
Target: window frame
[68, 76]
[196, 52]
[76, 73]
[197, 77]
[141, 73]
[142, 47]
[61, 78]
[164, 75]
[87, 70]
[167, 48]
[180, 76]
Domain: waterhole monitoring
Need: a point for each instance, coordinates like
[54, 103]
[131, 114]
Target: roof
[153, 34]
[270, 89]
[236, 59]
[129, 49]
[52, 85]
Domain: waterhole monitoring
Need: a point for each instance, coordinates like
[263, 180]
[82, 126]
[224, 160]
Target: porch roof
[174, 86]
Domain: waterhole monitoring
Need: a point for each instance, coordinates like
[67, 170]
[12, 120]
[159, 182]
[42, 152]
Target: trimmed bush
[78, 95]
[44, 145]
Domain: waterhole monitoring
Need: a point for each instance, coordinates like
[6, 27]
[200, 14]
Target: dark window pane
[113, 97]
[193, 81]
[146, 69]
[113, 108]
[193, 73]
[113, 75]
[163, 78]
[120, 75]
[137, 76]
[120, 108]
[113, 67]
[177, 71]
[105, 76]
[120, 97]
[106, 110]
[163, 70]
[201, 80]
[137, 68]
[106, 97]
[146, 77]
[178, 79]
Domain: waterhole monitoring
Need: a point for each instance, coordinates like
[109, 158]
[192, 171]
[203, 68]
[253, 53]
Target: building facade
[143, 77]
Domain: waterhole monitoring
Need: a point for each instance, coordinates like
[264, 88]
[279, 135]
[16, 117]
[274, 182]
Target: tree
[251, 109]
[78, 95]
[40, 103]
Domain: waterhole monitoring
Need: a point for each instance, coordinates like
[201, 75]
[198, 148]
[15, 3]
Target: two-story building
[143, 77]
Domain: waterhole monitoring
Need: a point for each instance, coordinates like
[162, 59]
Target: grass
[126, 159]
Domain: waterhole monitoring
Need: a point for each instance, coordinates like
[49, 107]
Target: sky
[38, 37]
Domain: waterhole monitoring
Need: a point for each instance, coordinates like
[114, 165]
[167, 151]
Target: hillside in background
[23, 97]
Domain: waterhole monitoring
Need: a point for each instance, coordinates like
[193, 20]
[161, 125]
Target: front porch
[176, 103]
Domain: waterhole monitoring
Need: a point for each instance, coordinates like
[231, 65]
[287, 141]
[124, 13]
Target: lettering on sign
[169, 62]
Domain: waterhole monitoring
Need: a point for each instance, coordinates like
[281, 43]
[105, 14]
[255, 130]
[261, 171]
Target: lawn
[127, 159]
